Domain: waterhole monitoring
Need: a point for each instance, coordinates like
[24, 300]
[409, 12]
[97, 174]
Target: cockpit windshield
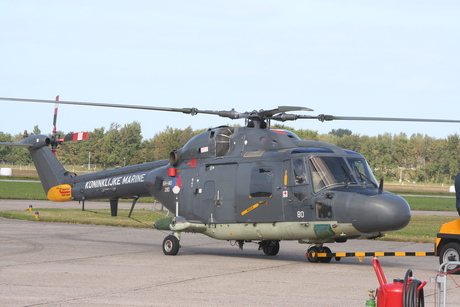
[329, 171]
[362, 171]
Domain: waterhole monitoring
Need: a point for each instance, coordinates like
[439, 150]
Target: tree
[340, 132]
[36, 130]
[423, 158]
[130, 143]
[163, 143]
[110, 148]
[350, 142]
[5, 151]
[303, 134]
[452, 156]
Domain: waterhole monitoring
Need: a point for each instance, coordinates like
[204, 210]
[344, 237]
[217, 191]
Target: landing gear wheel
[313, 249]
[271, 248]
[450, 252]
[171, 245]
[326, 250]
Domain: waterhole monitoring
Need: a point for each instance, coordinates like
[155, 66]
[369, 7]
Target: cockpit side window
[300, 172]
[329, 171]
[362, 171]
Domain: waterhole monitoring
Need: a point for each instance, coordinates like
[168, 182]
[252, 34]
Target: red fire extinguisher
[405, 292]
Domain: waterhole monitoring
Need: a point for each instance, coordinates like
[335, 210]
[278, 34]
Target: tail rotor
[56, 139]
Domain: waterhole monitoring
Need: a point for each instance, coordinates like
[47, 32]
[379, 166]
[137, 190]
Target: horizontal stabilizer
[34, 141]
[25, 145]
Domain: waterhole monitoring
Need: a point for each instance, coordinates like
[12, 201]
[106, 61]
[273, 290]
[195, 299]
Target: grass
[421, 229]
[22, 190]
[430, 203]
[34, 190]
[19, 178]
[138, 219]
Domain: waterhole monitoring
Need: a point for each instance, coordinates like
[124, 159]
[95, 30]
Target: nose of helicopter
[379, 213]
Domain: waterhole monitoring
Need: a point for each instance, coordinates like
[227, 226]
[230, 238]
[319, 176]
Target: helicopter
[242, 184]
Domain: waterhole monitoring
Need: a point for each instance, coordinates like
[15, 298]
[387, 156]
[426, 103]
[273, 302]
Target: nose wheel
[312, 254]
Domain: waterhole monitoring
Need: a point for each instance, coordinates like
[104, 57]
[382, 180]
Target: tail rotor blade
[56, 108]
[76, 136]
[55, 141]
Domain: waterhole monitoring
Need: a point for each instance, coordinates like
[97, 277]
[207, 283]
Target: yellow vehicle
[448, 243]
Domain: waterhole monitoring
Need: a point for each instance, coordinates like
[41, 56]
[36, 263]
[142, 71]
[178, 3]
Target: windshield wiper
[363, 176]
[348, 175]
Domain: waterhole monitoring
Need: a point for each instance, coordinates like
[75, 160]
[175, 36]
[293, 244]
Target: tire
[171, 245]
[327, 250]
[271, 248]
[311, 250]
[450, 252]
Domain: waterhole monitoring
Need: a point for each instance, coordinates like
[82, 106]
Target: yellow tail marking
[61, 192]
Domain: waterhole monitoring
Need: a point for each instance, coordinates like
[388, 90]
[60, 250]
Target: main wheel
[326, 250]
[450, 252]
[171, 245]
[313, 249]
[271, 248]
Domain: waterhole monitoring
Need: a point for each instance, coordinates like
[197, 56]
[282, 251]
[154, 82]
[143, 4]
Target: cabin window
[261, 182]
[222, 139]
[329, 171]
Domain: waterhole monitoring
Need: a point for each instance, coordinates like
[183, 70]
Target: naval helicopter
[242, 184]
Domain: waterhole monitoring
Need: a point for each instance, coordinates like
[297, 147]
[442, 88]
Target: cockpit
[327, 171]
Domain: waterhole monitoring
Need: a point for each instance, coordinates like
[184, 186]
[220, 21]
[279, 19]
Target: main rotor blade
[282, 109]
[192, 111]
[235, 115]
[324, 117]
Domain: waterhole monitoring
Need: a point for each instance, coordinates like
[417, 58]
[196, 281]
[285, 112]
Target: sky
[344, 58]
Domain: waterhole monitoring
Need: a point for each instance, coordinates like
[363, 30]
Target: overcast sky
[345, 58]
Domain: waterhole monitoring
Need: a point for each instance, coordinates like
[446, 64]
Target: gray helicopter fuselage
[246, 176]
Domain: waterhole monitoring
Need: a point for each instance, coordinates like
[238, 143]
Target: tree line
[393, 157]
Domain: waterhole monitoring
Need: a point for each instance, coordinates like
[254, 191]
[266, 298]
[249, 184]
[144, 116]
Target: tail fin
[54, 177]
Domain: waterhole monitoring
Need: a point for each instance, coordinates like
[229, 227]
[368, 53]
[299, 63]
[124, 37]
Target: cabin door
[259, 189]
[218, 193]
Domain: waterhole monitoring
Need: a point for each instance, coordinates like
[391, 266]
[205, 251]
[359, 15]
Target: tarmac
[54, 264]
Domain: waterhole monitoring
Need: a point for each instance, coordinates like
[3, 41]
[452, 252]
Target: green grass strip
[421, 229]
[138, 219]
[431, 203]
[22, 190]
